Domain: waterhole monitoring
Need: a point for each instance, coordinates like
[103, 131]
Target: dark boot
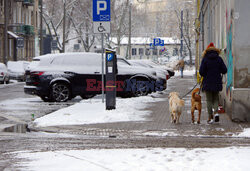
[216, 117]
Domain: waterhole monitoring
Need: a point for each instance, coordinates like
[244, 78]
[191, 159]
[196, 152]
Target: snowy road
[138, 139]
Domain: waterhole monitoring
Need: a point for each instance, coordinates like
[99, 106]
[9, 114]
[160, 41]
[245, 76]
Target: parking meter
[110, 86]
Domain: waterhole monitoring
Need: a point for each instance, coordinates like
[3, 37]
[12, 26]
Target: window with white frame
[175, 52]
[141, 51]
[147, 51]
[134, 51]
[155, 52]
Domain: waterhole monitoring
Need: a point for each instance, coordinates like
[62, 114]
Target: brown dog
[196, 104]
[176, 106]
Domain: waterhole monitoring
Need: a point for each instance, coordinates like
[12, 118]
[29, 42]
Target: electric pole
[64, 23]
[41, 27]
[5, 31]
[129, 36]
[181, 50]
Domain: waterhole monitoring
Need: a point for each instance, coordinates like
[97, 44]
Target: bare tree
[188, 31]
[119, 9]
[53, 18]
[82, 23]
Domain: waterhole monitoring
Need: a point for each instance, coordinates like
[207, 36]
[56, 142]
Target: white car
[4, 75]
[17, 69]
[162, 73]
[152, 64]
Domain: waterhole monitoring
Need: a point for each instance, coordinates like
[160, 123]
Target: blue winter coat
[212, 67]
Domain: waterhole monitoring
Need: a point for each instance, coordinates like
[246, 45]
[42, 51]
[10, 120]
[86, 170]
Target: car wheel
[46, 98]
[60, 92]
[140, 89]
[84, 96]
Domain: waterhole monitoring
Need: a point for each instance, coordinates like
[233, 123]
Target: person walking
[181, 65]
[211, 69]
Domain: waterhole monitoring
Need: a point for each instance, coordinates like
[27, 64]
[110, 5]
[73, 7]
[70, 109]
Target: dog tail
[182, 102]
[195, 91]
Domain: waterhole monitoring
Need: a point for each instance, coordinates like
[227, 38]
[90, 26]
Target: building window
[133, 51]
[147, 51]
[175, 52]
[155, 52]
[141, 51]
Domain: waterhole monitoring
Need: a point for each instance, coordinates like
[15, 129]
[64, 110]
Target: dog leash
[190, 90]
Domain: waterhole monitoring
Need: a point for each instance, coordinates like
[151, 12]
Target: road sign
[101, 27]
[101, 10]
[20, 42]
[158, 42]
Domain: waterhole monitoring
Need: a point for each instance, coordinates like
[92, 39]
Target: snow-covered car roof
[3, 67]
[83, 62]
[17, 66]
[160, 72]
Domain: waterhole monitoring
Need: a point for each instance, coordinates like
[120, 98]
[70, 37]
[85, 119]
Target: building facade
[22, 22]
[141, 48]
[226, 24]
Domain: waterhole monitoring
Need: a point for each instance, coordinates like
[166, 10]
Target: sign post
[101, 19]
[111, 71]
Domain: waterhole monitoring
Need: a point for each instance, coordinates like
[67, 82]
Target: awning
[13, 34]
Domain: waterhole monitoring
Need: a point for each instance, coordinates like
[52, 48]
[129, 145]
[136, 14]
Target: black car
[61, 77]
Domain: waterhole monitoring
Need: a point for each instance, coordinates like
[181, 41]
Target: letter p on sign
[101, 6]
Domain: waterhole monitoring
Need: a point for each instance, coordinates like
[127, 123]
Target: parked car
[17, 69]
[4, 75]
[162, 72]
[61, 77]
[155, 65]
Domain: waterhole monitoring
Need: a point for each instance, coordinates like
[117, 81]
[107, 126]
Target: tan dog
[196, 104]
[176, 106]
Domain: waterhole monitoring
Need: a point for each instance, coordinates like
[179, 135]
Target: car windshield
[122, 62]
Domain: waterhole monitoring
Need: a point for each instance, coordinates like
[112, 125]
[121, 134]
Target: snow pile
[93, 111]
[159, 159]
[244, 133]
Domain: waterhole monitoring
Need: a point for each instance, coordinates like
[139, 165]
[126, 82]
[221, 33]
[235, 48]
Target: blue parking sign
[158, 42]
[101, 10]
[110, 57]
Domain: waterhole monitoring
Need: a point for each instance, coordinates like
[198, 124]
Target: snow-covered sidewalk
[155, 159]
[93, 111]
